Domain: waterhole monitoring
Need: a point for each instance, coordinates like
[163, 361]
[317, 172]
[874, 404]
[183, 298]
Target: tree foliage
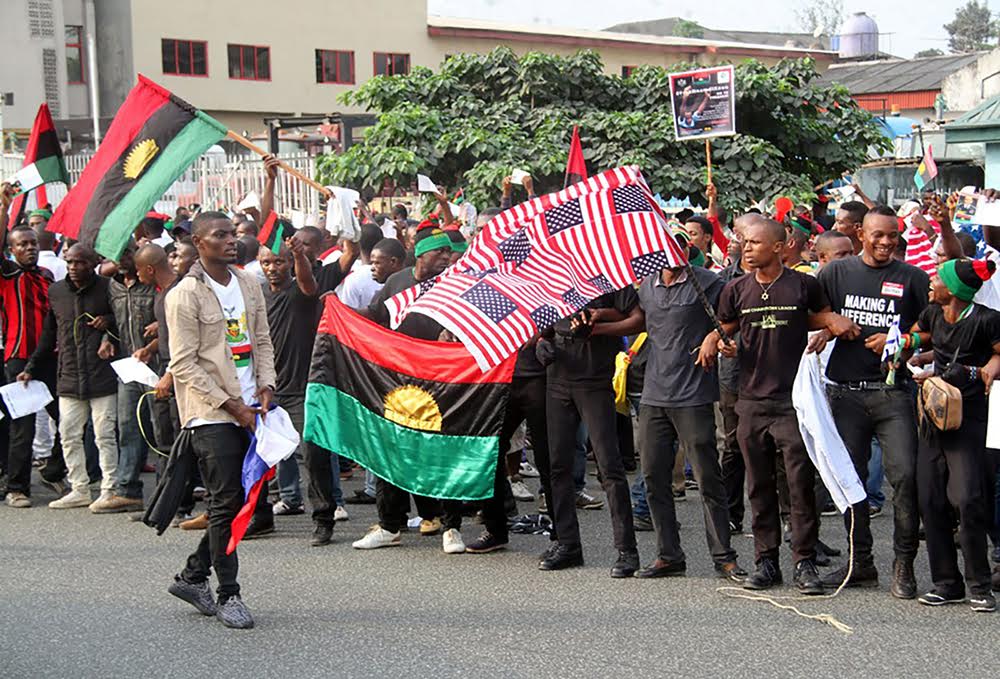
[932, 52]
[481, 115]
[685, 28]
[972, 29]
[825, 15]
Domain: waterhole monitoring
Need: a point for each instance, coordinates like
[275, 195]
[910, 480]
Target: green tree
[973, 28]
[481, 115]
[823, 16]
[688, 29]
[933, 52]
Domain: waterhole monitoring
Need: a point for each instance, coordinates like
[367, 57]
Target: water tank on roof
[859, 36]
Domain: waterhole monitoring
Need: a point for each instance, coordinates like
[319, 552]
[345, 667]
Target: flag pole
[708, 157]
[246, 143]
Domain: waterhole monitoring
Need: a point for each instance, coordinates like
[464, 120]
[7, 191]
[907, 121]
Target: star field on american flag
[544, 260]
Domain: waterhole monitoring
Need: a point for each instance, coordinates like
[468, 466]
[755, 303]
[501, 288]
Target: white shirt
[359, 288]
[164, 240]
[234, 314]
[53, 263]
[255, 268]
[989, 294]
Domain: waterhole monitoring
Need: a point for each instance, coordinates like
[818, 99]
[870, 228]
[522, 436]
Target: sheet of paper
[25, 398]
[133, 370]
[251, 200]
[517, 176]
[389, 229]
[987, 212]
[298, 219]
[425, 184]
[993, 420]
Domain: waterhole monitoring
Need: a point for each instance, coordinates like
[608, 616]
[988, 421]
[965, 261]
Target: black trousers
[166, 428]
[766, 426]
[888, 415]
[526, 402]
[393, 503]
[733, 470]
[694, 426]
[566, 406]
[955, 478]
[22, 435]
[319, 464]
[220, 449]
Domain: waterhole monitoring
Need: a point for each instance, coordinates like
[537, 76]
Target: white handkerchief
[131, 369]
[276, 437]
[425, 184]
[251, 200]
[25, 398]
[517, 176]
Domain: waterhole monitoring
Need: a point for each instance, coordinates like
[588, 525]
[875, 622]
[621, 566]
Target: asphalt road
[85, 596]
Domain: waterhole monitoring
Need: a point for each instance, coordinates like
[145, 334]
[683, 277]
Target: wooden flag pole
[708, 158]
[246, 143]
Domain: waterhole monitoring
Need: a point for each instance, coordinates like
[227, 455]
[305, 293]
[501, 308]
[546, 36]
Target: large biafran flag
[152, 140]
[419, 414]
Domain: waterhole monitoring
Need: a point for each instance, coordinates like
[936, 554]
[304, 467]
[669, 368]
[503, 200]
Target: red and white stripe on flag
[544, 260]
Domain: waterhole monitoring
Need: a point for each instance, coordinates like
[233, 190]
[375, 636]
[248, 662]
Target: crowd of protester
[705, 402]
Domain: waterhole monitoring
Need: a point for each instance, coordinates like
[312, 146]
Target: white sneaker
[340, 514]
[521, 491]
[451, 542]
[378, 537]
[528, 471]
[102, 499]
[76, 498]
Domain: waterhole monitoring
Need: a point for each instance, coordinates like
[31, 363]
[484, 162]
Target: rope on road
[827, 618]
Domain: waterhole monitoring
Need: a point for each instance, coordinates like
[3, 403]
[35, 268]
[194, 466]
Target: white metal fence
[214, 181]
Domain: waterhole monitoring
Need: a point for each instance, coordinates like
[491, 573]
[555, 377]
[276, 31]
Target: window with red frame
[249, 62]
[335, 66]
[627, 71]
[387, 63]
[184, 57]
[74, 55]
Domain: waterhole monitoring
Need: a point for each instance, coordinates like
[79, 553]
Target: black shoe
[679, 495]
[485, 543]
[765, 575]
[257, 529]
[731, 571]
[735, 528]
[642, 523]
[562, 557]
[983, 603]
[821, 559]
[935, 598]
[322, 535]
[198, 594]
[995, 580]
[360, 497]
[626, 565]
[663, 569]
[830, 509]
[553, 546]
[807, 579]
[864, 574]
[827, 550]
[233, 613]
[904, 582]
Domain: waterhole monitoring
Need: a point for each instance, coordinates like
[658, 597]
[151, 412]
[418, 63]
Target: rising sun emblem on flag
[139, 157]
[413, 407]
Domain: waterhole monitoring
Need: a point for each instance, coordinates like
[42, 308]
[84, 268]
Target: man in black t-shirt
[954, 471]
[876, 291]
[579, 388]
[773, 308]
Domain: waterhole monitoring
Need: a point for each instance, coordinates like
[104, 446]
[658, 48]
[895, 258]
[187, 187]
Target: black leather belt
[863, 386]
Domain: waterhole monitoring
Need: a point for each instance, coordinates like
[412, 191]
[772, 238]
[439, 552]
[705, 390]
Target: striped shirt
[24, 303]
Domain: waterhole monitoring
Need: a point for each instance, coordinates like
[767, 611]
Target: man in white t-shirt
[222, 362]
[360, 287]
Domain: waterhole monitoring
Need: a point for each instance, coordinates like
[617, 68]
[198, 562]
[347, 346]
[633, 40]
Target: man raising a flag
[222, 362]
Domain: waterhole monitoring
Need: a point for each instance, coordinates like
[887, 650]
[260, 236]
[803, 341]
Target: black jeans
[734, 472]
[526, 402]
[220, 449]
[319, 464]
[566, 406]
[954, 475]
[888, 415]
[766, 426]
[695, 428]
[22, 435]
[393, 503]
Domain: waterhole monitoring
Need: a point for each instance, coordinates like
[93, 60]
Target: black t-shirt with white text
[773, 332]
[874, 298]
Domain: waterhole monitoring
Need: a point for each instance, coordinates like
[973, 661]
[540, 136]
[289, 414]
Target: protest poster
[704, 103]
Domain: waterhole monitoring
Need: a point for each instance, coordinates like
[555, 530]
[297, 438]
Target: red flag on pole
[43, 151]
[576, 167]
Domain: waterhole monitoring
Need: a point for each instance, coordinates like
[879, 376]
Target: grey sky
[906, 26]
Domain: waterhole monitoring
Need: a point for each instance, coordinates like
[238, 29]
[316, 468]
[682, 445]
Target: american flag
[544, 260]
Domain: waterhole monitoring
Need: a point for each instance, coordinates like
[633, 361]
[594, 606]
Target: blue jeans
[640, 508]
[132, 449]
[369, 484]
[289, 480]
[876, 474]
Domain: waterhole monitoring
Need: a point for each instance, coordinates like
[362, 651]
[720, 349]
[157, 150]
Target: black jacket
[82, 373]
[166, 499]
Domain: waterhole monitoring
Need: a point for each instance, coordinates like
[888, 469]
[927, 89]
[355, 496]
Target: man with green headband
[37, 219]
[433, 249]
[954, 470]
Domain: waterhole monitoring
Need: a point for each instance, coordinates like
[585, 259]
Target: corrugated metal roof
[987, 114]
[897, 75]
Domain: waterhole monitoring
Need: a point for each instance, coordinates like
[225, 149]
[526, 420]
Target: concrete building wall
[970, 86]
[114, 53]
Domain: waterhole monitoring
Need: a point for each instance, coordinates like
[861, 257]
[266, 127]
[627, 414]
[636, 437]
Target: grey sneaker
[233, 613]
[198, 594]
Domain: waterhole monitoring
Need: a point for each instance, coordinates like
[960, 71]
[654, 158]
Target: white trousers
[73, 416]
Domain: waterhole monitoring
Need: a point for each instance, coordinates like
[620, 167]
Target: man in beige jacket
[222, 362]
